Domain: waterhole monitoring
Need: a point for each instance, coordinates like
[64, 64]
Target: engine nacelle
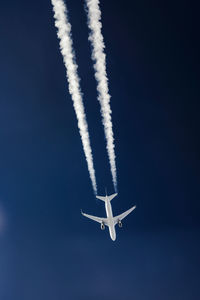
[120, 223]
[102, 226]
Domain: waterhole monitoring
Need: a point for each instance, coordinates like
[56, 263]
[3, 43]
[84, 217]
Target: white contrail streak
[99, 58]
[66, 47]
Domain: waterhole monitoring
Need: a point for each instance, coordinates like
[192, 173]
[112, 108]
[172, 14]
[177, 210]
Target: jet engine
[120, 223]
[102, 226]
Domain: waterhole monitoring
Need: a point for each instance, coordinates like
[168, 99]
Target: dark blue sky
[47, 249]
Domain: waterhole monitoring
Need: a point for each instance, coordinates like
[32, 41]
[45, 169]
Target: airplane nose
[112, 233]
[113, 237]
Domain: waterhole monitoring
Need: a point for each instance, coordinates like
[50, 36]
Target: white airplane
[110, 221]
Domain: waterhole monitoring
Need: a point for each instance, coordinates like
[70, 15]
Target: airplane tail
[106, 197]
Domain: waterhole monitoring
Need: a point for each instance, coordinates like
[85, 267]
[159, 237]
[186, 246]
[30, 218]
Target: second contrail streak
[99, 58]
[66, 47]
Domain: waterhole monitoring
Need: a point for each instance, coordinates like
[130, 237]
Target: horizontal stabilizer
[103, 198]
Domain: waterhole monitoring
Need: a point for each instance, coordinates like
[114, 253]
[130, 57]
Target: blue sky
[47, 249]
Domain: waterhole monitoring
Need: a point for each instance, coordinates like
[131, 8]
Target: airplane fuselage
[110, 219]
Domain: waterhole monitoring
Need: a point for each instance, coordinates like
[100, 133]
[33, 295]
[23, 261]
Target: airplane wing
[97, 219]
[123, 215]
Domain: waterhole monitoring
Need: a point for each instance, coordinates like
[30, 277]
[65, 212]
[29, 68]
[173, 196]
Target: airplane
[110, 221]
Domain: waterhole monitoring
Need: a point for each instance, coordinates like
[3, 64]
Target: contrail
[99, 58]
[66, 47]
